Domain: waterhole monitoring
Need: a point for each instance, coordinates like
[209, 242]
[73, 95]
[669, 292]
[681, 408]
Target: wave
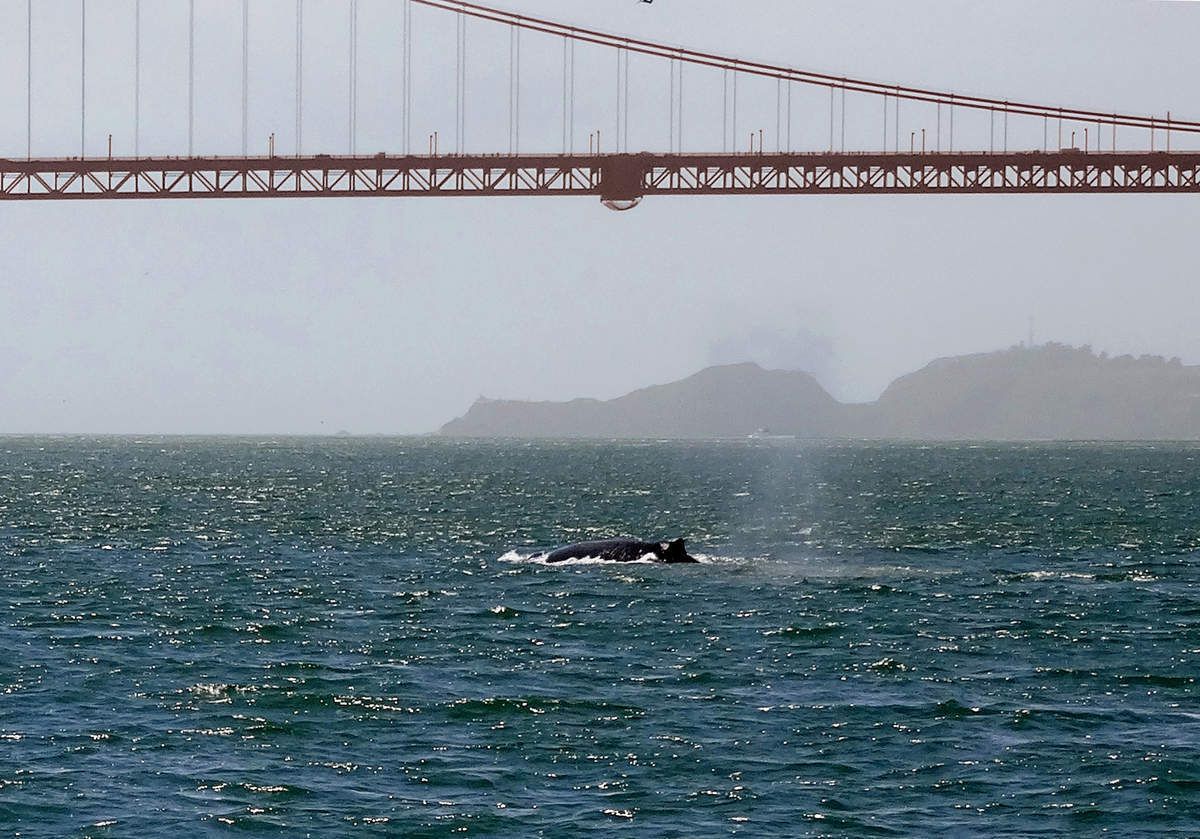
[1038, 576]
[800, 565]
[502, 707]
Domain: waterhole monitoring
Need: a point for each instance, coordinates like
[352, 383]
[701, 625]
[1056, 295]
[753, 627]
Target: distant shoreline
[1047, 393]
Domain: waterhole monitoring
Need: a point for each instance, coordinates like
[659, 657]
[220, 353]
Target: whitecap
[539, 558]
[1053, 575]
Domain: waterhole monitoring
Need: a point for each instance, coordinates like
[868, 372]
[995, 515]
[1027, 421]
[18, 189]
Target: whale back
[622, 550]
[614, 550]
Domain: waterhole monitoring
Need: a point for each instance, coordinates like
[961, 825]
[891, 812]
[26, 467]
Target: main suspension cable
[851, 85]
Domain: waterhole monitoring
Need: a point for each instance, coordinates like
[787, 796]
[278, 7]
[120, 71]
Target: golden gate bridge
[874, 138]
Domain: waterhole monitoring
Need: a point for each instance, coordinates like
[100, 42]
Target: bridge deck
[615, 177]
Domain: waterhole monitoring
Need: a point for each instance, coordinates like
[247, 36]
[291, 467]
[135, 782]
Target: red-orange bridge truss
[620, 179]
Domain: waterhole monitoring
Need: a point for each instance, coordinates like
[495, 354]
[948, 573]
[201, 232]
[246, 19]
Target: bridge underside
[616, 178]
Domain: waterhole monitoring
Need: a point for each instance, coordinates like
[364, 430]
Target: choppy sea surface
[345, 637]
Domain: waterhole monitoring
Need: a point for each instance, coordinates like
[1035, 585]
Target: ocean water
[345, 637]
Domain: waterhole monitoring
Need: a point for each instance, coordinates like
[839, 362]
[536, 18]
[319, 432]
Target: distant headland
[1047, 392]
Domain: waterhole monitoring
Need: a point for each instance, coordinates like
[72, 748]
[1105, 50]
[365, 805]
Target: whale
[622, 550]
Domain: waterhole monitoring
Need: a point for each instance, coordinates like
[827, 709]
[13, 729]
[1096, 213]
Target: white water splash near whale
[539, 558]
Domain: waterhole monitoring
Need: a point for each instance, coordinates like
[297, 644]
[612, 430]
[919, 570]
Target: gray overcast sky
[393, 315]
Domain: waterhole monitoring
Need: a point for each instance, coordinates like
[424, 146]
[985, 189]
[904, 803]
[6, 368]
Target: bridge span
[673, 120]
[621, 180]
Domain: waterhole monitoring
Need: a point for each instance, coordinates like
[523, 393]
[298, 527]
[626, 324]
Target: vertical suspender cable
[779, 115]
[354, 132]
[565, 82]
[512, 71]
[571, 132]
[466, 56]
[245, 77]
[408, 73]
[952, 123]
[352, 74]
[458, 77]
[680, 137]
[897, 120]
[671, 111]
[789, 116]
[938, 143]
[514, 89]
[29, 79]
[137, 78]
[404, 10]
[191, 77]
[299, 76]
[885, 125]
[725, 110]
[617, 133]
[463, 98]
[733, 123]
[517, 96]
[411, 79]
[627, 99]
[843, 116]
[82, 78]
[1006, 129]
[407, 97]
[831, 120]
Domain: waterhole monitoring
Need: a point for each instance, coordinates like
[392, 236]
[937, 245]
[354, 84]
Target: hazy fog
[392, 315]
